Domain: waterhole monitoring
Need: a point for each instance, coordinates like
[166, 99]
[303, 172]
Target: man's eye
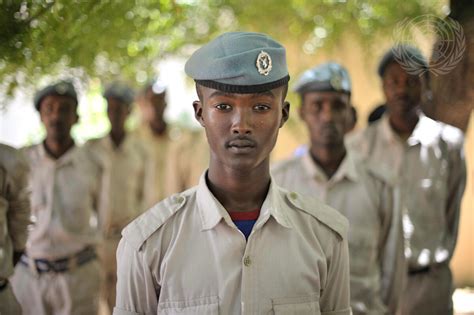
[261, 107]
[223, 107]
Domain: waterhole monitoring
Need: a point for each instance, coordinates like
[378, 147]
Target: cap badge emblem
[264, 63]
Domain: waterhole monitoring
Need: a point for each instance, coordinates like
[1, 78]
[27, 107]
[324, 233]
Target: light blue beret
[239, 62]
[120, 91]
[328, 76]
[62, 88]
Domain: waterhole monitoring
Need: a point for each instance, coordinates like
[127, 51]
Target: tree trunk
[453, 93]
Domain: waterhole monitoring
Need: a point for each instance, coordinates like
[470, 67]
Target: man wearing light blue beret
[236, 243]
[359, 191]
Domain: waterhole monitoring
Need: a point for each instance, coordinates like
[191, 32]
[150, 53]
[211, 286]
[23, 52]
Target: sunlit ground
[463, 300]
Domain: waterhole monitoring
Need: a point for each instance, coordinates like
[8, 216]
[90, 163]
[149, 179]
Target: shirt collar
[67, 158]
[212, 212]
[347, 169]
[426, 131]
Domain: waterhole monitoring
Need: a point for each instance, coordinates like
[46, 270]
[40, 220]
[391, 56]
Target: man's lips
[241, 144]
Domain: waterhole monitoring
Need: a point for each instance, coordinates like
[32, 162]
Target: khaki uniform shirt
[121, 198]
[186, 256]
[14, 206]
[431, 177]
[190, 158]
[64, 197]
[375, 233]
[157, 160]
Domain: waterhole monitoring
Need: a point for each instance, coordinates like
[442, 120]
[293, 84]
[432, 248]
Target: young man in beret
[59, 272]
[122, 160]
[327, 170]
[236, 243]
[427, 158]
[14, 219]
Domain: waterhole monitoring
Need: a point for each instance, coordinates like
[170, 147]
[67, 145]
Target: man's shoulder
[143, 227]
[286, 165]
[319, 211]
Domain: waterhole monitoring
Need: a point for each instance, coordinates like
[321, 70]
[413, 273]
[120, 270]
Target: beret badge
[264, 63]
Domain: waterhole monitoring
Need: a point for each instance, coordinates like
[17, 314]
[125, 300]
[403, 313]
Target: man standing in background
[14, 219]
[427, 158]
[123, 162]
[358, 191]
[156, 140]
[59, 273]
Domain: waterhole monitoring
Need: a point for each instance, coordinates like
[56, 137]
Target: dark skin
[153, 108]
[403, 96]
[327, 117]
[58, 114]
[117, 111]
[241, 130]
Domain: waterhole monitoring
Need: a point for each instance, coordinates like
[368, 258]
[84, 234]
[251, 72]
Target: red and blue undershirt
[245, 220]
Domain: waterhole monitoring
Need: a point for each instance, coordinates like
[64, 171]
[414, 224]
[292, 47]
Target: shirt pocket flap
[308, 304]
[203, 305]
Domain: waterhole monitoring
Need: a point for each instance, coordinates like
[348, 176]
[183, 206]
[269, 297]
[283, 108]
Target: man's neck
[329, 158]
[117, 137]
[158, 129]
[403, 125]
[239, 191]
[57, 148]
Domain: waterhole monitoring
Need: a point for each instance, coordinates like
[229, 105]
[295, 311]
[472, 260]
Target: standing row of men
[237, 243]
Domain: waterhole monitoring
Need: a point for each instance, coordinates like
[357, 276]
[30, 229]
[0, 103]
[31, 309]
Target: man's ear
[285, 113]
[198, 112]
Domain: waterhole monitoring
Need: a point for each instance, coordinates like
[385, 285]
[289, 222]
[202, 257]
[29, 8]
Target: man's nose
[242, 122]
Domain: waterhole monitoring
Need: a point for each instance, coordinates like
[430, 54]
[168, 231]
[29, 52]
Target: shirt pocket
[363, 253]
[204, 305]
[302, 305]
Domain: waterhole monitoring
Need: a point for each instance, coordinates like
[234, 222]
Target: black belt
[412, 272]
[61, 264]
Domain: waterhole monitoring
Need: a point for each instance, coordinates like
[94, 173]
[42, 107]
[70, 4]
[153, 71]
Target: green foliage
[108, 38]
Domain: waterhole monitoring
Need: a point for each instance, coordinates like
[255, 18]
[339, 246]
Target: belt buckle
[43, 265]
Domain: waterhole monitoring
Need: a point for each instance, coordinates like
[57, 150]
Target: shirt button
[247, 261]
[293, 195]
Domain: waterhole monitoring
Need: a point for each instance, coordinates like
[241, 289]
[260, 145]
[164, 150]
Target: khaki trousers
[107, 256]
[75, 292]
[8, 302]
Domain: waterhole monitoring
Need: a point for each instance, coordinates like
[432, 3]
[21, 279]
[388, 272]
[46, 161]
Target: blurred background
[94, 42]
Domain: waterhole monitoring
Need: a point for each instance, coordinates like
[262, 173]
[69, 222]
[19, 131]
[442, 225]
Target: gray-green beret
[239, 62]
[328, 76]
[408, 52]
[120, 91]
[62, 88]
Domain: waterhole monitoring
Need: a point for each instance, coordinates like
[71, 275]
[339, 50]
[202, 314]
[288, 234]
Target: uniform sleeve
[456, 186]
[335, 299]
[136, 292]
[393, 264]
[18, 214]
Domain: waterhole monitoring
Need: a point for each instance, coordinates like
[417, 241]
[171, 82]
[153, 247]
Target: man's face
[402, 90]
[326, 115]
[153, 106]
[58, 114]
[241, 129]
[117, 112]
